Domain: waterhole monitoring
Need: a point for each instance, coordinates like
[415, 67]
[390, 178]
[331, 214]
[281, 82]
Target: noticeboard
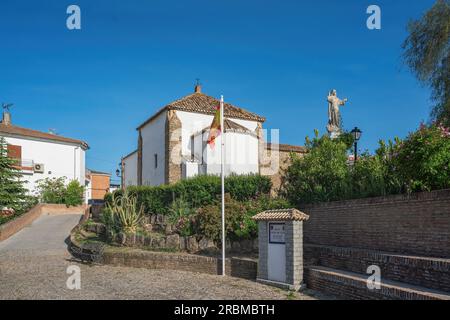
[277, 233]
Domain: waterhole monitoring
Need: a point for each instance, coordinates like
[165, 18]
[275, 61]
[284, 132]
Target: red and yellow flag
[215, 130]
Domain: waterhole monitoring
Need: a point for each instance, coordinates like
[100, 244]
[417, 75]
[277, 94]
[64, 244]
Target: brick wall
[418, 224]
[236, 267]
[100, 185]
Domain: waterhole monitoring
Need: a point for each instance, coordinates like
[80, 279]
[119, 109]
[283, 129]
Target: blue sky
[276, 58]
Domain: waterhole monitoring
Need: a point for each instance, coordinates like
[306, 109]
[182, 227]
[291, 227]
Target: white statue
[334, 117]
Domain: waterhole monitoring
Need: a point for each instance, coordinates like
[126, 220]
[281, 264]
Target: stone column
[173, 148]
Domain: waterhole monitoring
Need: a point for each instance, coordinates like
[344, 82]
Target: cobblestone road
[33, 265]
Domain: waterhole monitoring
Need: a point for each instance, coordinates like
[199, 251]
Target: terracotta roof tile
[287, 147]
[201, 103]
[281, 215]
[15, 130]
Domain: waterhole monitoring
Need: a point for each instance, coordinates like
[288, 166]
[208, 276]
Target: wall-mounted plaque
[276, 233]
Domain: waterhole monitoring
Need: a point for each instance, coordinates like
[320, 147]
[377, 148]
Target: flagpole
[222, 154]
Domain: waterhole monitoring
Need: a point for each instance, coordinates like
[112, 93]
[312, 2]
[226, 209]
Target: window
[156, 160]
[15, 152]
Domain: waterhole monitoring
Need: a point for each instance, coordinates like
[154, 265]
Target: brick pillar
[261, 146]
[173, 148]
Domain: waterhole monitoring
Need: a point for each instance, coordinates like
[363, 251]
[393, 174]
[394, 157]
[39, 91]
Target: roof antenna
[6, 106]
[53, 131]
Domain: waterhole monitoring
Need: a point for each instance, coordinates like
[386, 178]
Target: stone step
[351, 285]
[426, 272]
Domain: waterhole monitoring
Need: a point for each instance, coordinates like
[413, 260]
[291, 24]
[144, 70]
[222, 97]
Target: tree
[12, 192]
[427, 53]
[322, 174]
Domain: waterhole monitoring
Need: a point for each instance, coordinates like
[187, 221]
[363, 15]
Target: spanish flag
[215, 130]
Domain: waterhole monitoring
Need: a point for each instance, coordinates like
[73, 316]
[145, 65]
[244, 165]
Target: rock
[168, 229]
[158, 243]
[173, 241]
[122, 238]
[153, 219]
[131, 240]
[148, 227]
[255, 245]
[146, 220]
[205, 243]
[147, 241]
[235, 246]
[192, 244]
[182, 243]
[101, 229]
[160, 219]
[246, 245]
[140, 240]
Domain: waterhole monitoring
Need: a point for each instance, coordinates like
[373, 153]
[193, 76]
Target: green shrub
[208, 219]
[367, 177]
[51, 190]
[199, 191]
[423, 159]
[55, 190]
[181, 216]
[238, 217]
[123, 214]
[321, 175]
[73, 195]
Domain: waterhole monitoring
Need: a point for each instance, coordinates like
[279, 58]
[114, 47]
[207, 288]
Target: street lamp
[356, 133]
[118, 172]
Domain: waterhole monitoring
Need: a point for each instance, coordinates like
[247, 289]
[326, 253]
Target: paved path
[33, 265]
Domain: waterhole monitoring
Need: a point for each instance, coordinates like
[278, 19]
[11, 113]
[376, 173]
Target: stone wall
[236, 267]
[416, 224]
[274, 163]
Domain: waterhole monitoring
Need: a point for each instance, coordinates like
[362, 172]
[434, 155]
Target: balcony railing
[24, 164]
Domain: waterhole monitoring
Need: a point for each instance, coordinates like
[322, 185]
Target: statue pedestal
[334, 134]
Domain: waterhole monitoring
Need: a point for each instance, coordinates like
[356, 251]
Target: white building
[43, 155]
[172, 143]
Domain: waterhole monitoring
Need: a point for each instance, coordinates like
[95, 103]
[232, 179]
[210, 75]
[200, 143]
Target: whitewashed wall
[59, 160]
[195, 122]
[241, 154]
[153, 142]
[130, 170]
[241, 150]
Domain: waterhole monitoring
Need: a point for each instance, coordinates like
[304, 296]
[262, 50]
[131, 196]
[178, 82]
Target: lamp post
[356, 133]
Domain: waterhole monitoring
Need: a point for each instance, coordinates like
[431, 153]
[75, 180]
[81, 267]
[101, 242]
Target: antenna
[53, 131]
[6, 106]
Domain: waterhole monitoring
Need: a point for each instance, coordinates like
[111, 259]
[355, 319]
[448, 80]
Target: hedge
[198, 191]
